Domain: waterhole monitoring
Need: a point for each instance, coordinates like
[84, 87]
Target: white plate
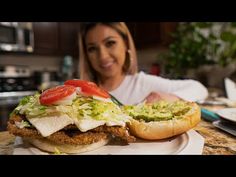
[188, 143]
[228, 114]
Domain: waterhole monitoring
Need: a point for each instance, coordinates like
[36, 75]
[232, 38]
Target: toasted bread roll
[50, 146]
[161, 129]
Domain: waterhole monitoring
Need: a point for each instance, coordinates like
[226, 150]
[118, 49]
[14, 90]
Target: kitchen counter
[216, 141]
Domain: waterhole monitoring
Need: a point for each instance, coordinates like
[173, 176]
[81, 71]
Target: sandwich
[72, 118]
[162, 119]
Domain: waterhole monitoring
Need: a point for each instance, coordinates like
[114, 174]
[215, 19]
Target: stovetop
[17, 84]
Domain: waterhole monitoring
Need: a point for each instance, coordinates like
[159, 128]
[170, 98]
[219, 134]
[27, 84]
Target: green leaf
[233, 24]
[203, 24]
[234, 47]
[192, 49]
[227, 36]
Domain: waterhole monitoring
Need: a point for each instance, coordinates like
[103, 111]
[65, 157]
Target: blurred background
[39, 55]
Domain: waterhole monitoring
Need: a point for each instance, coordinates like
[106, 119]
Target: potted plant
[197, 44]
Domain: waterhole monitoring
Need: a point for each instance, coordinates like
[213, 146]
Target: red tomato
[79, 83]
[56, 93]
[89, 88]
[95, 90]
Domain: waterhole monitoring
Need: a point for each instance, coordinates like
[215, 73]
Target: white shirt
[135, 88]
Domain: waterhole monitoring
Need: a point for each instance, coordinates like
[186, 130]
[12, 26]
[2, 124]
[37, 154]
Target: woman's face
[106, 50]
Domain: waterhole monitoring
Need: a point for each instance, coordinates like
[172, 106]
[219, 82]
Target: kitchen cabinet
[46, 39]
[166, 28]
[56, 38]
[61, 38]
[68, 36]
[151, 34]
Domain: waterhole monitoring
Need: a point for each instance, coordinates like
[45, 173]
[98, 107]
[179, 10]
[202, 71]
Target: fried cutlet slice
[71, 134]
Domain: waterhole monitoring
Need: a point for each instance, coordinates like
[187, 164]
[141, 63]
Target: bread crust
[49, 146]
[156, 130]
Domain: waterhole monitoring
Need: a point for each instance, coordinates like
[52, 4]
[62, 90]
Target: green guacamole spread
[159, 111]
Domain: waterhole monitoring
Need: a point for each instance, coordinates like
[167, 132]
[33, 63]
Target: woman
[108, 57]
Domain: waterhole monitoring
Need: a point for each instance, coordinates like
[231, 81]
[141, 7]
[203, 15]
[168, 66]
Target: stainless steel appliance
[16, 36]
[15, 83]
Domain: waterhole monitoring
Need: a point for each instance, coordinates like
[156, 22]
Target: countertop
[216, 141]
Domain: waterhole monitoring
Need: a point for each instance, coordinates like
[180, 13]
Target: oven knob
[7, 87]
[19, 87]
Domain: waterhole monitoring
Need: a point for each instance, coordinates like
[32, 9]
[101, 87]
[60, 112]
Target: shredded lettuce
[99, 110]
[57, 152]
[82, 107]
[30, 106]
[22, 124]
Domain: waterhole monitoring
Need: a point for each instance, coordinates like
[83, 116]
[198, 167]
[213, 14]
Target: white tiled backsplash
[35, 62]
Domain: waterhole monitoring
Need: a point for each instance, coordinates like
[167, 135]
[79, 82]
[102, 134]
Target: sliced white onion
[78, 90]
[67, 100]
[102, 99]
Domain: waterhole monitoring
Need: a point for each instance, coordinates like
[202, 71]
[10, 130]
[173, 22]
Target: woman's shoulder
[140, 74]
[144, 76]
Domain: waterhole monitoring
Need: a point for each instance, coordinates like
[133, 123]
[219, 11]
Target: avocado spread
[159, 111]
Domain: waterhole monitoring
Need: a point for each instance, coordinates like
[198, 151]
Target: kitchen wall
[147, 57]
[53, 63]
[36, 63]
[213, 76]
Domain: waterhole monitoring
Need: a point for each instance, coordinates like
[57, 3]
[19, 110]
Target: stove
[16, 78]
[16, 82]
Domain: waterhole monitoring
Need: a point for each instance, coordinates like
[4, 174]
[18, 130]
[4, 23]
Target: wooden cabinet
[166, 28]
[68, 35]
[56, 38]
[61, 38]
[149, 34]
[145, 34]
[46, 38]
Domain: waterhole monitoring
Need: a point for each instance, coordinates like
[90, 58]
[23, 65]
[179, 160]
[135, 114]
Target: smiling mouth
[106, 65]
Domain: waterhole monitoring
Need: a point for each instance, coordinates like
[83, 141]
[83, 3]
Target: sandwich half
[69, 119]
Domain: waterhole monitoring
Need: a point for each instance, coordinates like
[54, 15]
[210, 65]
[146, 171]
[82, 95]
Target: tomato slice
[79, 83]
[56, 93]
[95, 90]
[89, 88]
